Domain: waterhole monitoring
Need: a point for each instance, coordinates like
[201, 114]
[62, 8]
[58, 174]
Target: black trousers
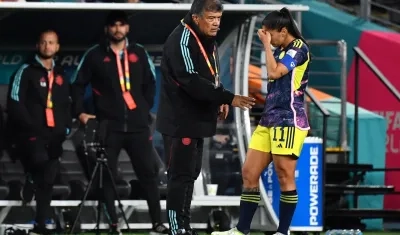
[40, 158]
[184, 166]
[139, 148]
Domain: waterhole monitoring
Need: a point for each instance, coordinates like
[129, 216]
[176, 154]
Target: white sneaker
[279, 234]
[115, 230]
[233, 231]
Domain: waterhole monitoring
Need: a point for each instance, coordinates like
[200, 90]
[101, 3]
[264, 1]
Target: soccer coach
[192, 98]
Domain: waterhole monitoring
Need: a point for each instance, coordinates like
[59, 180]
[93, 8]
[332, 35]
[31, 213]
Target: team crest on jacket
[59, 80]
[133, 58]
[42, 82]
[106, 59]
[186, 141]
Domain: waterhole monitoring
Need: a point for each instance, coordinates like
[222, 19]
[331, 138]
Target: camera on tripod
[93, 144]
[94, 135]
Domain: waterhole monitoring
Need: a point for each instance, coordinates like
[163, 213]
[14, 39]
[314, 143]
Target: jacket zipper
[125, 118]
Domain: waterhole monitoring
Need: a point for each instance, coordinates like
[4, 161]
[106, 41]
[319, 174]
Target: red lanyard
[124, 81]
[215, 74]
[49, 103]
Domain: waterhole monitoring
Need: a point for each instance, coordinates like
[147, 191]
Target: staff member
[39, 112]
[190, 101]
[122, 78]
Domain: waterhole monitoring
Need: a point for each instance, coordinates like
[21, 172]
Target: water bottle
[331, 232]
[348, 232]
[343, 232]
[336, 232]
[358, 232]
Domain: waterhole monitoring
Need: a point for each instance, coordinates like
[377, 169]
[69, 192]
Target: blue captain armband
[288, 60]
[67, 131]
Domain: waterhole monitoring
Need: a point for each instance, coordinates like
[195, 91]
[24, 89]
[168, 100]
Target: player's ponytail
[277, 20]
[292, 27]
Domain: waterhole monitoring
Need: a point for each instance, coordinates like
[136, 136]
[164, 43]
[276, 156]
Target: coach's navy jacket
[189, 100]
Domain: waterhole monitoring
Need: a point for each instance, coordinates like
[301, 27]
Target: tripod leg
[117, 196]
[84, 197]
[99, 204]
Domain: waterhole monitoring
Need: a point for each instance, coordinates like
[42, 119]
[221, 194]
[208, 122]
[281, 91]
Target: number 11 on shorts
[281, 131]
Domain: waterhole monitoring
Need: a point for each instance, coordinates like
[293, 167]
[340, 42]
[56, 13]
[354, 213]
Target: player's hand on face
[264, 36]
[243, 102]
[223, 111]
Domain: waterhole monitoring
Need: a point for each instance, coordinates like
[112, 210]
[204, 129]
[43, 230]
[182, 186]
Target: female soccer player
[284, 125]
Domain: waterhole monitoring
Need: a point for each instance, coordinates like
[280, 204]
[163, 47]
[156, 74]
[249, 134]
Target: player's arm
[184, 65]
[16, 100]
[292, 58]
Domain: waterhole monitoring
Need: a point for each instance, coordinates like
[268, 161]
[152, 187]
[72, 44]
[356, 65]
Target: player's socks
[287, 206]
[248, 206]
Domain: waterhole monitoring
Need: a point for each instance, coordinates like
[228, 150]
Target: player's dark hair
[277, 20]
[200, 6]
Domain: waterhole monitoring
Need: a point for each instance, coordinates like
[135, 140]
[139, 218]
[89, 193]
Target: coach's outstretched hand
[84, 117]
[243, 102]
